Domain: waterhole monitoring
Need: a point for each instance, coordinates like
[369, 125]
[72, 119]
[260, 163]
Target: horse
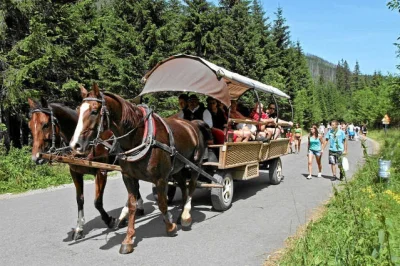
[54, 124]
[152, 151]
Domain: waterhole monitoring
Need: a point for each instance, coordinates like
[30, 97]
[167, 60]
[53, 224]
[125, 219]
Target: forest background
[49, 47]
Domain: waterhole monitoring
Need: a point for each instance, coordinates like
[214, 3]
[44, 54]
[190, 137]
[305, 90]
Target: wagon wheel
[170, 190]
[275, 171]
[221, 198]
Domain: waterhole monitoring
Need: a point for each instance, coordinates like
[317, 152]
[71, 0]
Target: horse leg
[100, 184]
[186, 217]
[127, 244]
[122, 220]
[181, 180]
[163, 206]
[139, 202]
[78, 182]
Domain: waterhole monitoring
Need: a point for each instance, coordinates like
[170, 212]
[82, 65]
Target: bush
[361, 225]
[18, 173]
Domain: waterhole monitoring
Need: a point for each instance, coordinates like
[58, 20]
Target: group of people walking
[336, 139]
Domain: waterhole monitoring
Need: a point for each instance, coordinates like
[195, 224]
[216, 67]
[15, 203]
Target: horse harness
[148, 141]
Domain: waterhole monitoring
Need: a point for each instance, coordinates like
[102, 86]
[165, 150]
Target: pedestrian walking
[337, 148]
[385, 123]
[297, 138]
[314, 150]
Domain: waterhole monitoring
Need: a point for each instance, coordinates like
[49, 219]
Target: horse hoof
[77, 234]
[139, 212]
[122, 223]
[112, 223]
[186, 224]
[126, 249]
[173, 231]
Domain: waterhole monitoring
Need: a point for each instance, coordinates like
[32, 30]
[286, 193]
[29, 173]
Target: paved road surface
[36, 227]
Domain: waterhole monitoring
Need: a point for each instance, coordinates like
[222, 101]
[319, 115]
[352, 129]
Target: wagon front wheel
[221, 198]
[275, 171]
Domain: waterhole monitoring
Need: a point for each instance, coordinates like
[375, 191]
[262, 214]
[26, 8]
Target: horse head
[43, 128]
[92, 121]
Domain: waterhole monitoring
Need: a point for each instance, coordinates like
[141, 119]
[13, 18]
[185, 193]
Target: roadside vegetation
[18, 173]
[361, 224]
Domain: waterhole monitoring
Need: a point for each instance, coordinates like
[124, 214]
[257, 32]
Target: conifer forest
[48, 48]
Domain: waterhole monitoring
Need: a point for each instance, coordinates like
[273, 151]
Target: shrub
[361, 225]
[19, 173]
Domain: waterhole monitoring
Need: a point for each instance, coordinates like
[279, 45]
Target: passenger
[242, 133]
[183, 105]
[273, 116]
[217, 115]
[196, 111]
[266, 133]
[218, 119]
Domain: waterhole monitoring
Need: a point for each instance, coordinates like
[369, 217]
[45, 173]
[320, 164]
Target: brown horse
[51, 125]
[152, 148]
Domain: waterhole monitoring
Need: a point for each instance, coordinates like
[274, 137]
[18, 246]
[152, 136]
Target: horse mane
[129, 116]
[71, 113]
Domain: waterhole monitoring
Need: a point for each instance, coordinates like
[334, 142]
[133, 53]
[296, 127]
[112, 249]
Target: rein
[54, 122]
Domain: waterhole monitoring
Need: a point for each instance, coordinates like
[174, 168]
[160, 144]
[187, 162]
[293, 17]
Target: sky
[355, 30]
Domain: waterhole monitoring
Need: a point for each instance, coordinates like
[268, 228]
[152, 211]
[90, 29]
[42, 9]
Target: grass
[19, 174]
[360, 225]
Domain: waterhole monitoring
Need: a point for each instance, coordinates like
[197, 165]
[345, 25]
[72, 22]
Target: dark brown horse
[54, 124]
[150, 144]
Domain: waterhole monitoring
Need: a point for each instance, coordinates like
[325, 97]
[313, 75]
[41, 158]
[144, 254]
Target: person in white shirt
[321, 129]
[196, 111]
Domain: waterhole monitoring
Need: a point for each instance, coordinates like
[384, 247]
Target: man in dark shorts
[337, 147]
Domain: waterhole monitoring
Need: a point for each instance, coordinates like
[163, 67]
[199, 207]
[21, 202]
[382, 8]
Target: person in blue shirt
[337, 147]
[314, 149]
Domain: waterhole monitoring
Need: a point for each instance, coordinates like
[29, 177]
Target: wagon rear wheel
[221, 198]
[171, 190]
[275, 171]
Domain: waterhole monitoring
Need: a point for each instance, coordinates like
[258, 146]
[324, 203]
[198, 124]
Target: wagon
[224, 162]
[231, 160]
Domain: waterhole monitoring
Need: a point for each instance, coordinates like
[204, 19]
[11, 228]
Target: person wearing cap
[197, 111]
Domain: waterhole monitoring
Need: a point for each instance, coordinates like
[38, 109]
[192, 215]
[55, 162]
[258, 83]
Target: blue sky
[362, 30]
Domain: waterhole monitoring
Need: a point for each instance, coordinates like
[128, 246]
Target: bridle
[103, 112]
[54, 122]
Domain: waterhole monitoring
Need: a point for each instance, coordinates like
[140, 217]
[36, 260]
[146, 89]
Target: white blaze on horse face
[79, 127]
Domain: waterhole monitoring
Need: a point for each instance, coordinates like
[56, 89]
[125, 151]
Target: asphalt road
[36, 226]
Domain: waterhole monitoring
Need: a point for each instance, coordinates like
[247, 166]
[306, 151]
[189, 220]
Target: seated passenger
[266, 133]
[196, 111]
[242, 132]
[271, 110]
[183, 104]
[218, 117]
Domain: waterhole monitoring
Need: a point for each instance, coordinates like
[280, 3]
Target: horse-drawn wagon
[231, 160]
[171, 152]
[224, 162]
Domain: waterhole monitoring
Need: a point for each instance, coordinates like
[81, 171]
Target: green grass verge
[19, 174]
[361, 224]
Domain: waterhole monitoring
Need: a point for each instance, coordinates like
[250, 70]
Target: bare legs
[318, 159]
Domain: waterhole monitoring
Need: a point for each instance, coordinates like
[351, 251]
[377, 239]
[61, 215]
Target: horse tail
[206, 137]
